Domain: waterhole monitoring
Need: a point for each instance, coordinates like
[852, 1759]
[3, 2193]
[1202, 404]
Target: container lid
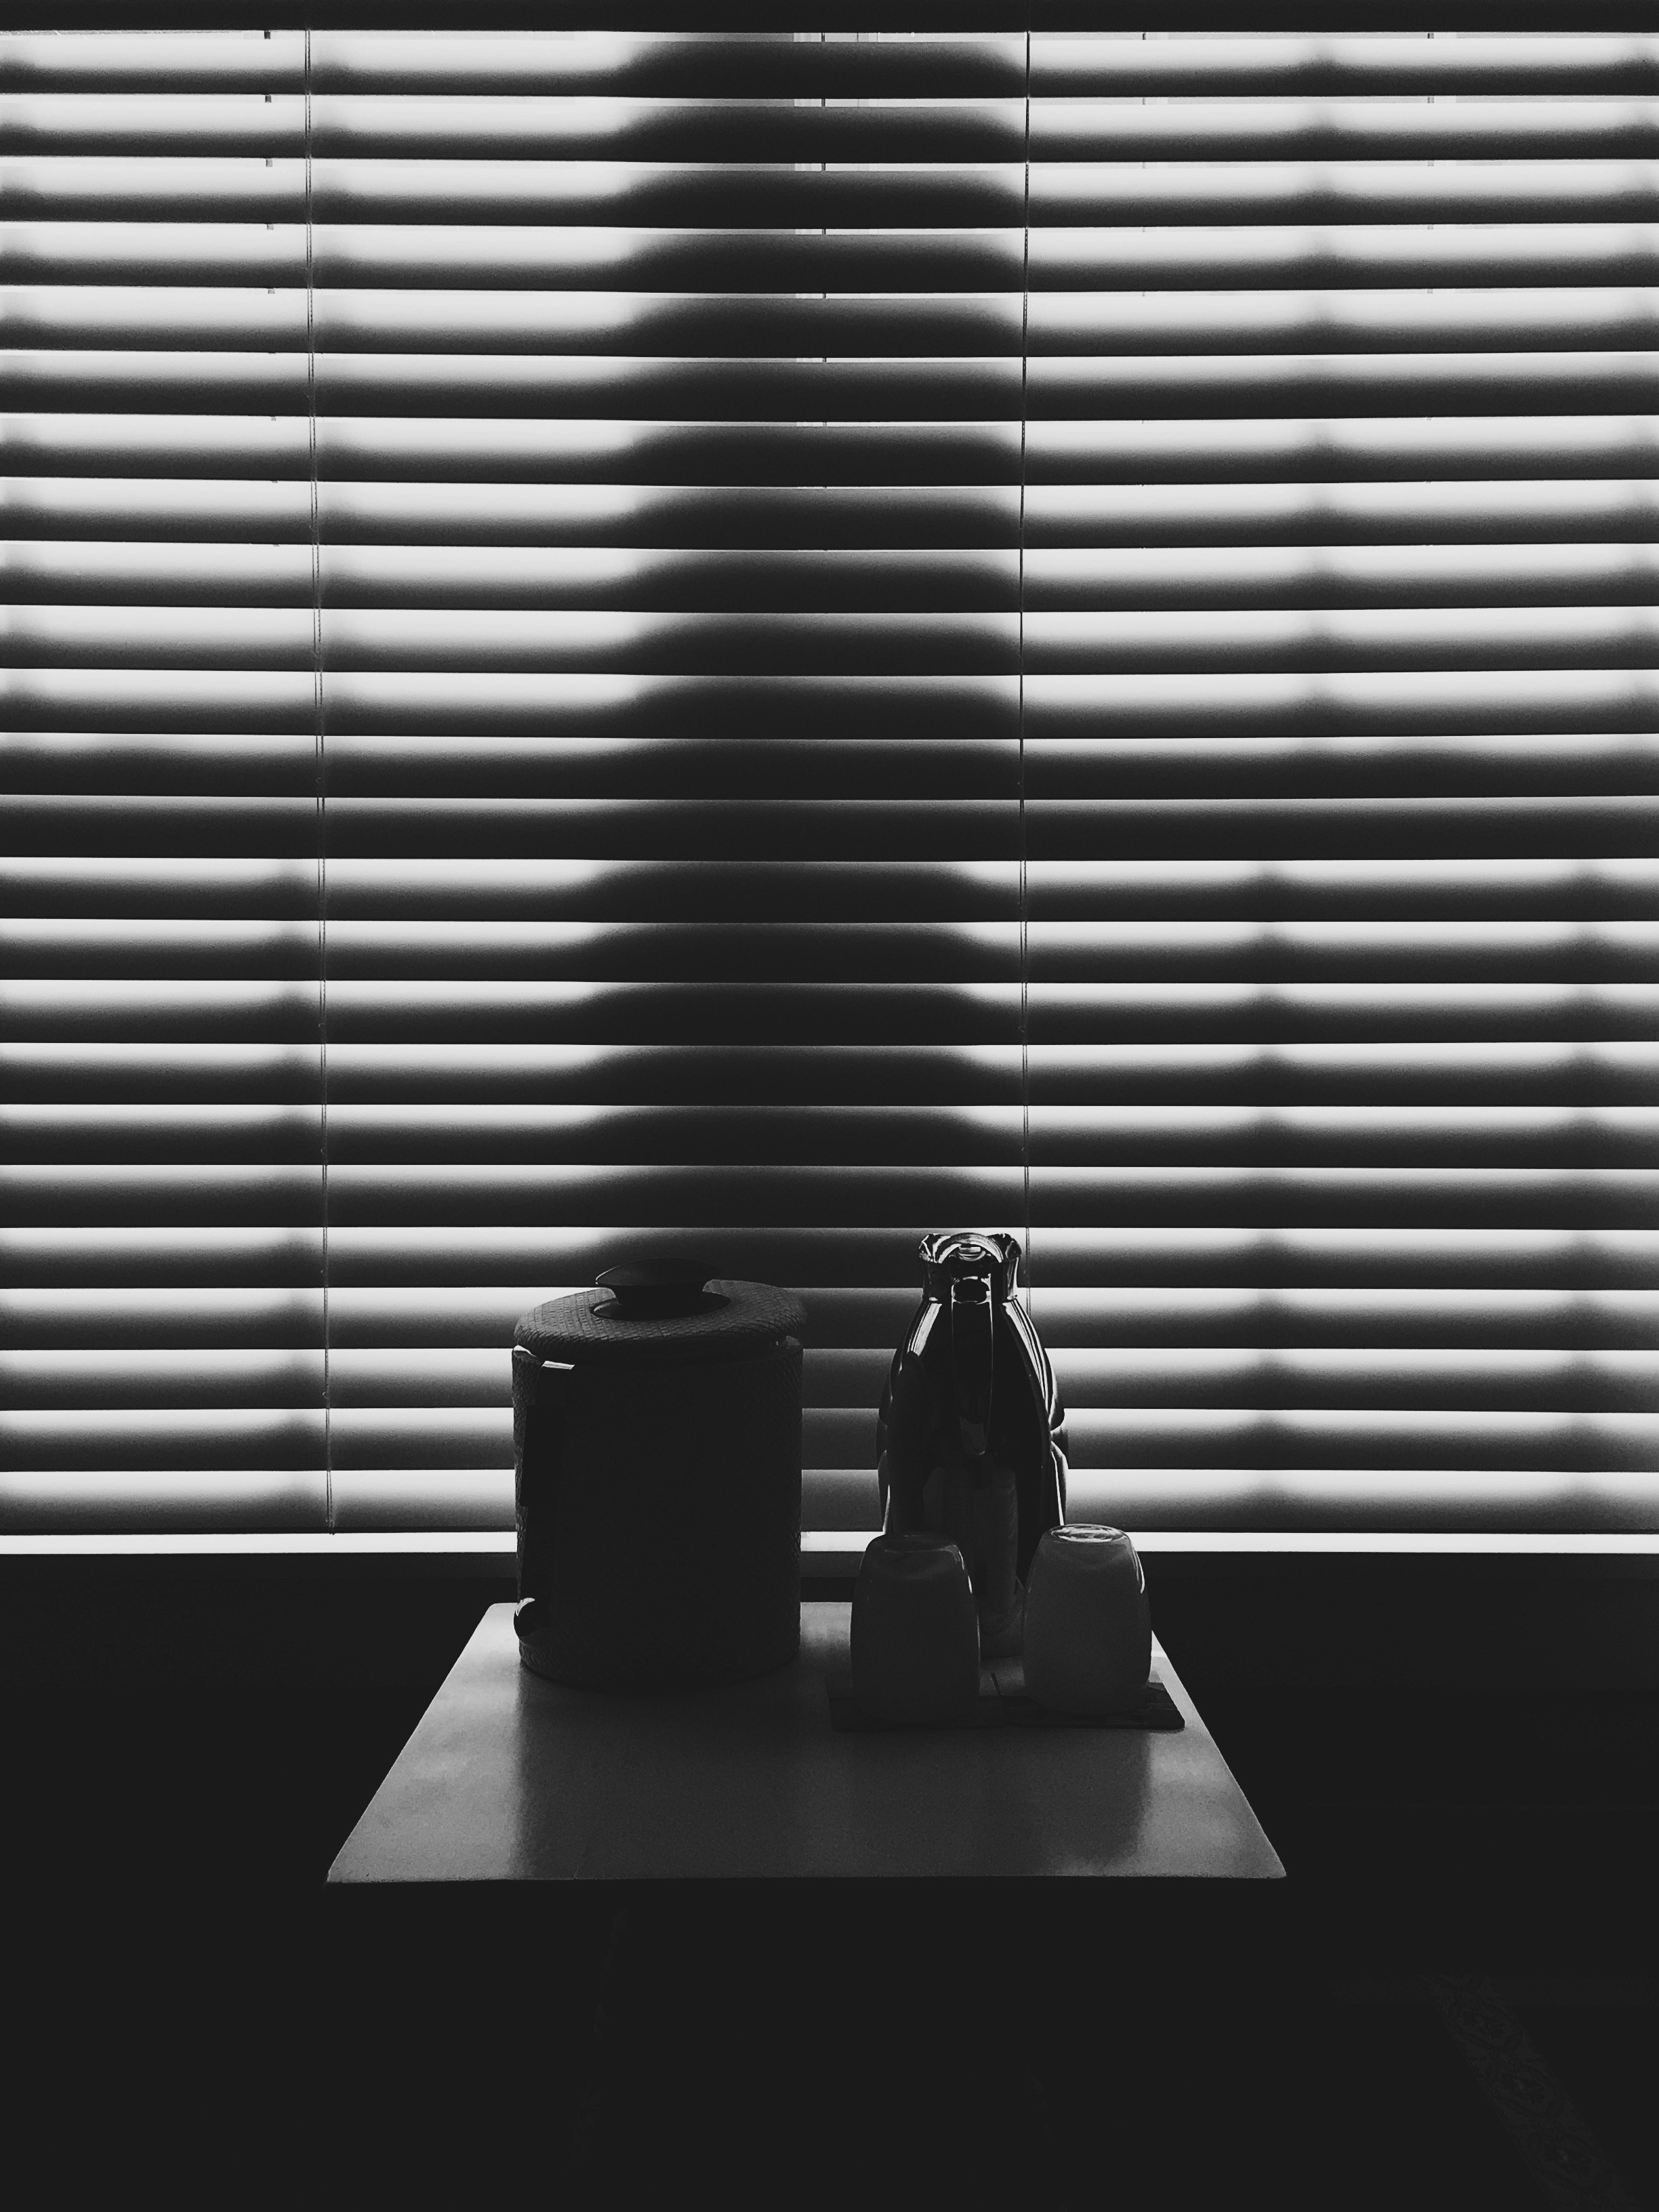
[634, 1317]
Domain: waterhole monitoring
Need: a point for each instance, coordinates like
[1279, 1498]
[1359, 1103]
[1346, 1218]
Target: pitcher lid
[948, 1254]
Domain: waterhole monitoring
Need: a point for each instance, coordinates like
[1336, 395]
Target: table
[697, 1929]
[511, 1779]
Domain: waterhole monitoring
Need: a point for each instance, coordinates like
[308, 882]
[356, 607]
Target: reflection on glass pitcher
[971, 1437]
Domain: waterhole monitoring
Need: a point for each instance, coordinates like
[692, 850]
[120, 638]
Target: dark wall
[1331, 1621]
[301, 1623]
[1364, 1622]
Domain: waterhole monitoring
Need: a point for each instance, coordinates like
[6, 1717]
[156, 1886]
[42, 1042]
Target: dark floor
[1450, 2002]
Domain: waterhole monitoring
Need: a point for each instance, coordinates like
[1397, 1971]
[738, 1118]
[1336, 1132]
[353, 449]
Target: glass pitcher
[970, 1439]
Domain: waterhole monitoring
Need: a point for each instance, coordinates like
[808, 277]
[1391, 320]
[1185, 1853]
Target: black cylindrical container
[656, 1435]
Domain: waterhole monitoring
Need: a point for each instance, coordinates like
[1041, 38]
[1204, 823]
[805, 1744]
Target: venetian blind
[739, 647]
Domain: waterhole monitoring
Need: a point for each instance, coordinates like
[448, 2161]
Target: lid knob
[643, 1293]
[951, 1256]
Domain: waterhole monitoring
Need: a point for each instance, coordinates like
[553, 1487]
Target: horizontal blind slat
[267, 1078]
[958, 589]
[950, 1012]
[1102, 641]
[1093, 888]
[1618, 372]
[1350, 1383]
[140, 1438]
[414, 125]
[728, 195]
[758, 65]
[1063, 459]
[1405, 1257]
[164, 1499]
[641, 1196]
[472, 1322]
[376, 767]
[1065, 526]
[639, 325]
[644, 259]
[1494, 699]
[1603, 1138]
[1494, 1499]
[771, 948]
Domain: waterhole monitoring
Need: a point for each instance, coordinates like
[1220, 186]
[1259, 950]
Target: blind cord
[1024, 902]
[321, 769]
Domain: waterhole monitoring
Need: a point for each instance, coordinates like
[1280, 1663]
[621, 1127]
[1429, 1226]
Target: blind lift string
[1024, 899]
[321, 758]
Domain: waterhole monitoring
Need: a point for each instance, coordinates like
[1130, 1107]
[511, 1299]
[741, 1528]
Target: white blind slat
[929, 64]
[642, 261]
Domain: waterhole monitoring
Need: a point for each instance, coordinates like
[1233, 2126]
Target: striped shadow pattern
[909, 631]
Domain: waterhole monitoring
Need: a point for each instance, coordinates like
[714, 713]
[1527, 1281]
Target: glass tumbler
[1087, 1625]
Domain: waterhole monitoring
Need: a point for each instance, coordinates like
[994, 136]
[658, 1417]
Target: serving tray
[1003, 1703]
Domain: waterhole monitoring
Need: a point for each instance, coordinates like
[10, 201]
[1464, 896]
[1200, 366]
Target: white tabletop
[512, 1778]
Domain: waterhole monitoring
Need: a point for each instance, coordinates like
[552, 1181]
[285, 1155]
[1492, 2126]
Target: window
[743, 646]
